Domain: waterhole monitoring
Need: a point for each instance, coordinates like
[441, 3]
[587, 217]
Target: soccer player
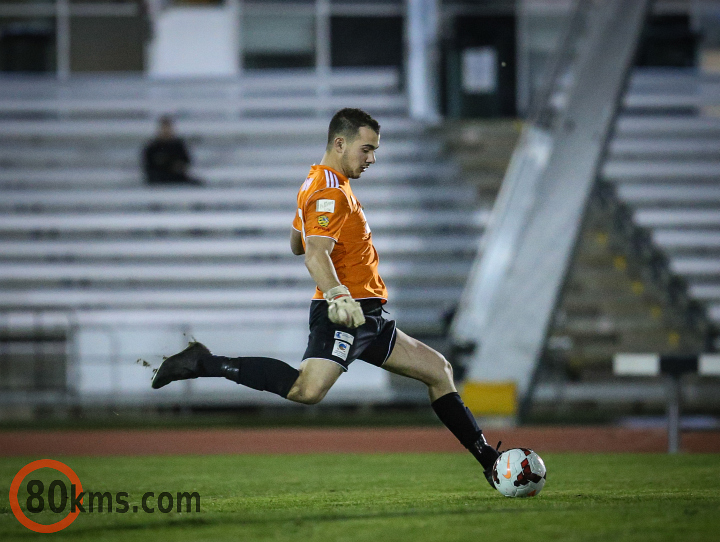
[346, 314]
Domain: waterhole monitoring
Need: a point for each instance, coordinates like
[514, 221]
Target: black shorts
[372, 342]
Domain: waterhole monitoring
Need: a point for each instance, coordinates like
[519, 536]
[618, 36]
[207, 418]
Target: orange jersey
[326, 207]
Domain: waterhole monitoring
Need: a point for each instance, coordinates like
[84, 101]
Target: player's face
[360, 153]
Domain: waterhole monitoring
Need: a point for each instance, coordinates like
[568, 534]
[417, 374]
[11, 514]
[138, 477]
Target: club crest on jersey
[323, 221]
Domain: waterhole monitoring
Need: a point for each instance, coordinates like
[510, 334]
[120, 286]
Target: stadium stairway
[646, 271]
[98, 270]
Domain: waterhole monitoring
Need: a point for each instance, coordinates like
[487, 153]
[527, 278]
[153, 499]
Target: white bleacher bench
[664, 148]
[125, 153]
[63, 319]
[198, 273]
[687, 239]
[672, 367]
[225, 221]
[669, 194]
[644, 126]
[695, 266]
[227, 175]
[671, 89]
[150, 106]
[156, 197]
[303, 126]
[653, 170]
[252, 83]
[682, 217]
[239, 247]
[296, 296]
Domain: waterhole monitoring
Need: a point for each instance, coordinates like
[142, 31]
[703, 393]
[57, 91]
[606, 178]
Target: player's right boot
[487, 455]
[181, 366]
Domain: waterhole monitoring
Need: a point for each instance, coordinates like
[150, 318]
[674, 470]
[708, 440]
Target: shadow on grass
[232, 520]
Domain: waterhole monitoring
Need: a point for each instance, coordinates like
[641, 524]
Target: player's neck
[330, 161]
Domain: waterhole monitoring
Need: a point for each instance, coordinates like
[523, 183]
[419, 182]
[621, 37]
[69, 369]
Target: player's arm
[296, 244]
[342, 308]
[319, 263]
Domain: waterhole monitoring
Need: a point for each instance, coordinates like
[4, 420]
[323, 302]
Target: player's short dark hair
[347, 123]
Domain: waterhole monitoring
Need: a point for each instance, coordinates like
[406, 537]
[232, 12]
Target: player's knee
[442, 371]
[309, 395]
[447, 369]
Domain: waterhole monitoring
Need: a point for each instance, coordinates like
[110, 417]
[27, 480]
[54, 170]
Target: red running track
[337, 440]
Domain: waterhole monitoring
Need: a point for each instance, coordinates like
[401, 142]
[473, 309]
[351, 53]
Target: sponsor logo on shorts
[323, 221]
[325, 206]
[342, 336]
[341, 350]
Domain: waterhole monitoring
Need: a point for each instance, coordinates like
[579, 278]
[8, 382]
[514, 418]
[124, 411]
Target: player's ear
[339, 144]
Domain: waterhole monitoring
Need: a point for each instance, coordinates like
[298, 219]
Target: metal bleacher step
[248, 105]
[227, 175]
[155, 298]
[699, 241]
[696, 266]
[212, 273]
[238, 247]
[629, 125]
[253, 83]
[666, 195]
[156, 199]
[605, 325]
[648, 147]
[681, 218]
[126, 153]
[679, 171]
[428, 320]
[622, 306]
[215, 221]
[286, 128]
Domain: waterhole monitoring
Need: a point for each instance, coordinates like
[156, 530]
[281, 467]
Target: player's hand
[342, 308]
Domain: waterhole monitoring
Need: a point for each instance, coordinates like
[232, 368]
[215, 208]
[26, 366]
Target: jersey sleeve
[297, 223]
[325, 213]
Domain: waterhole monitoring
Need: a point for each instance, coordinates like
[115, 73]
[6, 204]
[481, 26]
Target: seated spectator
[165, 158]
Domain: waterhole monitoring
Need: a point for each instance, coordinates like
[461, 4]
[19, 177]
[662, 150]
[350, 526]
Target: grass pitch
[384, 498]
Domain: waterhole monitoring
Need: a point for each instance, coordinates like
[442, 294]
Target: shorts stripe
[391, 346]
[335, 362]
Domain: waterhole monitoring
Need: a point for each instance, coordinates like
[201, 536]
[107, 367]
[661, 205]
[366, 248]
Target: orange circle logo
[15, 487]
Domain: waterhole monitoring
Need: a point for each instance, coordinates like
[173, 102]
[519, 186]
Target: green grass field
[389, 497]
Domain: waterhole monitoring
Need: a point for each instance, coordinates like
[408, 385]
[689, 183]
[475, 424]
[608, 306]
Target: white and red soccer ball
[519, 472]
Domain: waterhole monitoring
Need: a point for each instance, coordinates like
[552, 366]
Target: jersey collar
[340, 176]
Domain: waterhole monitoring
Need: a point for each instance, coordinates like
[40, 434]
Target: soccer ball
[519, 472]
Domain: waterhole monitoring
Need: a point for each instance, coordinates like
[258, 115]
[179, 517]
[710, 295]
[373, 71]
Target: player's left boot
[182, 366]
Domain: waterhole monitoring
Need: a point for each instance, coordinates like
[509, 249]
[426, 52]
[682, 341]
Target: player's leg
[416, 360]
[264, 374]
[307, 385]
[316, 377]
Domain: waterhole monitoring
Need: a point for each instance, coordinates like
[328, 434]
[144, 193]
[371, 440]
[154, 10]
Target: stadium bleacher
[665, 164]
[122, 271]
[647, 268]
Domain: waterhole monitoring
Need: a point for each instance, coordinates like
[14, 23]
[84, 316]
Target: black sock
[264, 374]
[457, 418]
